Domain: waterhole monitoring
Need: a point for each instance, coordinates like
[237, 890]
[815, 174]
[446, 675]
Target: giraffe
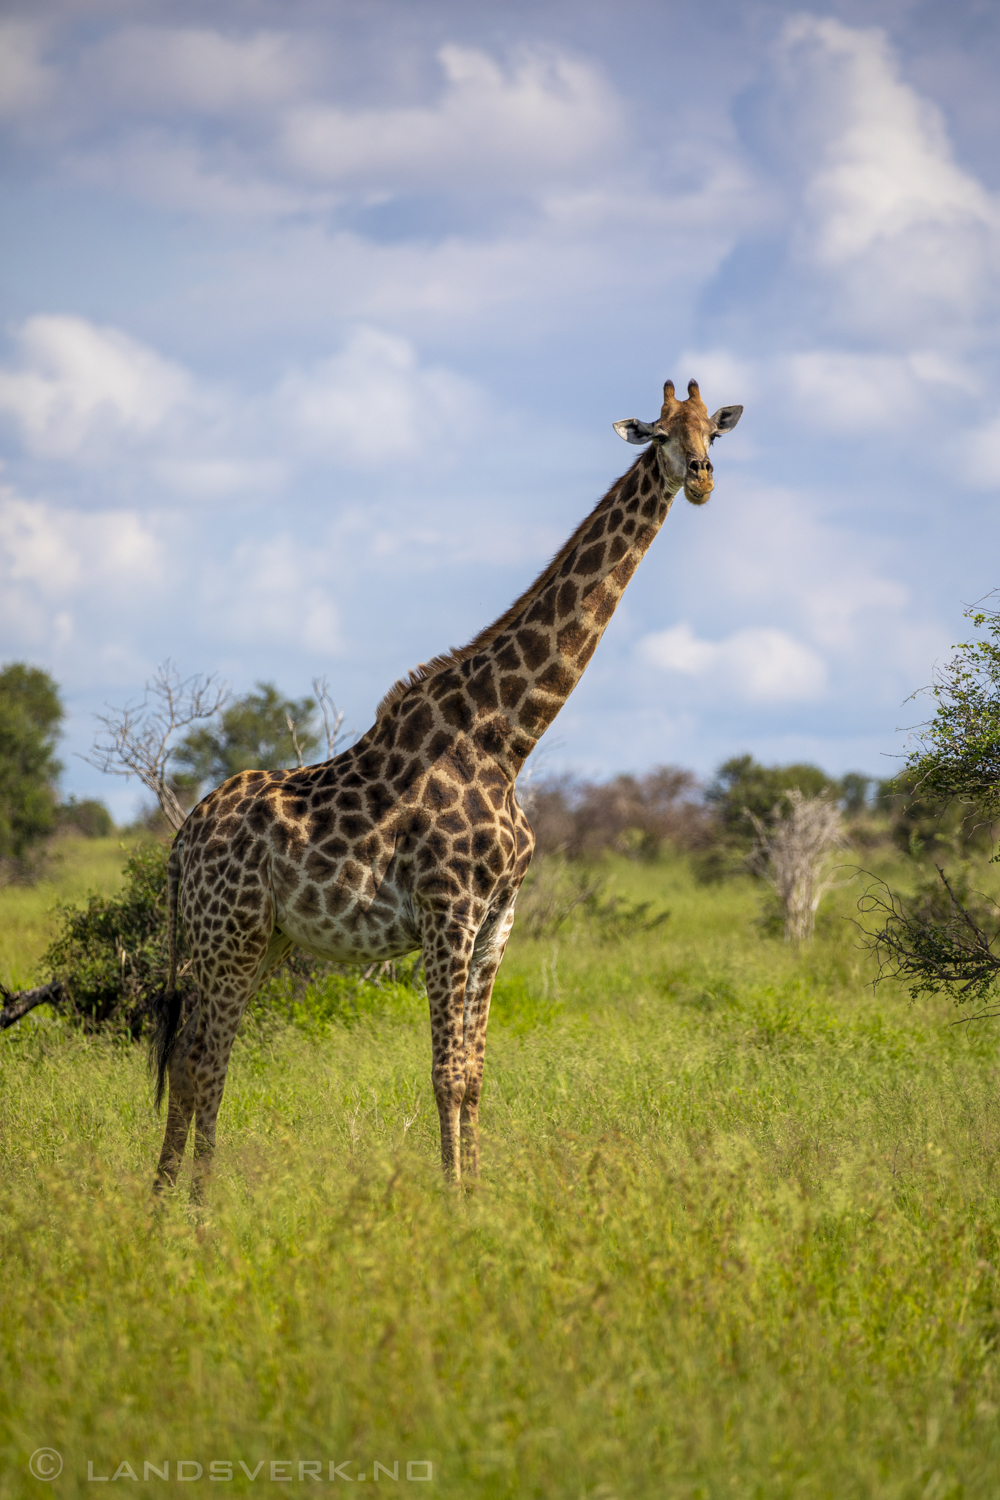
[413, 838]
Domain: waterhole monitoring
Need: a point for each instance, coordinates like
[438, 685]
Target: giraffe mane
[428, 669]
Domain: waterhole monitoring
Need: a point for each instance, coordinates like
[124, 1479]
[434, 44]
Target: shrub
[111, 954]
[633, 815]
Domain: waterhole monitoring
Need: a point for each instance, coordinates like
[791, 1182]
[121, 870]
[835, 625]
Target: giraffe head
[683, 435]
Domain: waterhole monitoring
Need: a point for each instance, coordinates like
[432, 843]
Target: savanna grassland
[736, 1234]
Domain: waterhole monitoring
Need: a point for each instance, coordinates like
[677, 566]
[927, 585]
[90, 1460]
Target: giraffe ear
[634, 431]
[726, 418]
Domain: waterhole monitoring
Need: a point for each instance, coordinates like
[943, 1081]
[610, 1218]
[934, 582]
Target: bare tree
[794, 855]
[138, 740]
[333, 720]
[333, 717]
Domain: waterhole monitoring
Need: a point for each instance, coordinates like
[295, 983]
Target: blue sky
[317, 317]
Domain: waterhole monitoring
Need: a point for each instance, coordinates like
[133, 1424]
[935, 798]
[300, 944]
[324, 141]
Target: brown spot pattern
[412, 839]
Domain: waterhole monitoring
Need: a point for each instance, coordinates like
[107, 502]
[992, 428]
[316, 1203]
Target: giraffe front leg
[446, 965]
[477, 1011]
[479, 992]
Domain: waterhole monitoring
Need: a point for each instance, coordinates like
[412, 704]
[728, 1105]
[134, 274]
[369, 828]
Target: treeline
[262, 729]
[638, 815]
[635, 815]
[31, 811]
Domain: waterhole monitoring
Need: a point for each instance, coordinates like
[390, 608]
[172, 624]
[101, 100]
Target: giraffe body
[413, 839]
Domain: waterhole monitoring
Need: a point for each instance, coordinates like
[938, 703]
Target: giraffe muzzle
[698, 481]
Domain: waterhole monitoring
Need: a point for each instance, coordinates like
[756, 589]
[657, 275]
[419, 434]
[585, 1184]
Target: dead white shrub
[795, 854]
[139, 739]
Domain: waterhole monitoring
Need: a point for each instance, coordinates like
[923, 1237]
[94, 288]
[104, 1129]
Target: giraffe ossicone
[413, 839]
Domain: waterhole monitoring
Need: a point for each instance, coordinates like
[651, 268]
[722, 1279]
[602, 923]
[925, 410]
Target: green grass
[736, 1235]
[74, 868]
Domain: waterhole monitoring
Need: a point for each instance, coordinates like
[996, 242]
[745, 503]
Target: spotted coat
[414, 838]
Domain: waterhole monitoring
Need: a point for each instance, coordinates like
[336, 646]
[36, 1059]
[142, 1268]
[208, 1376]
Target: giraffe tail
[169, 1003]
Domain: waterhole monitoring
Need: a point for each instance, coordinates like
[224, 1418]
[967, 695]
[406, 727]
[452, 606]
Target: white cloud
[758, 665]
[229, 125]
[73, 584]
[374, 402]
[76, 380]
[218, 478]
[887, 209]
[276, 590]
[92, 396]
[836, 391]
[830, 587]
[546, 115]
[886, 165]
[168, 168]
[57, 550]
[982, 455]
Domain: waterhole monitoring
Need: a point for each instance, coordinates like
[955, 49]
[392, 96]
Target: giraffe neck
[505, 688]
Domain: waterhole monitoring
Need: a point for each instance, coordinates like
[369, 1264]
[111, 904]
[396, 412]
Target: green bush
[111, 955]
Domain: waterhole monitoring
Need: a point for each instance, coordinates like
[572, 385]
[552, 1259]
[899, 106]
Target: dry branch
[139, 738]
[17, 1003]
[333, 717]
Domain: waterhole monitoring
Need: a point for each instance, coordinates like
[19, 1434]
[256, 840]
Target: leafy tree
[261, 731]
[958, 756]
[854, 793]
[30, 717]
[742, 785]
[89, 817]
[926, 824]
[944, 938]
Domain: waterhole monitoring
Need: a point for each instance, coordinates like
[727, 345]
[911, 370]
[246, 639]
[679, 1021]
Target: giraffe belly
[360, 934]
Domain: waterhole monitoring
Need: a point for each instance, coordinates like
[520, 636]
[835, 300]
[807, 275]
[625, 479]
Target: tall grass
[736, 1234]
[73, 868]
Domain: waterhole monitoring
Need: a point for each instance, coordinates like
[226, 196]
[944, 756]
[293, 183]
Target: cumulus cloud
[374, 402]
[83, 394]
[885, 209]
[834, 588]
[756, 665]
[76, 380]
[278, 590]
[224, 124]
[884, 164]
[982, 455]
[66, 575]
[545, 115]
[839, 391]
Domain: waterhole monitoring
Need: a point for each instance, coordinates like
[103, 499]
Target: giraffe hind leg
[197, 1066]
[180, 1103]
[234, 985]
